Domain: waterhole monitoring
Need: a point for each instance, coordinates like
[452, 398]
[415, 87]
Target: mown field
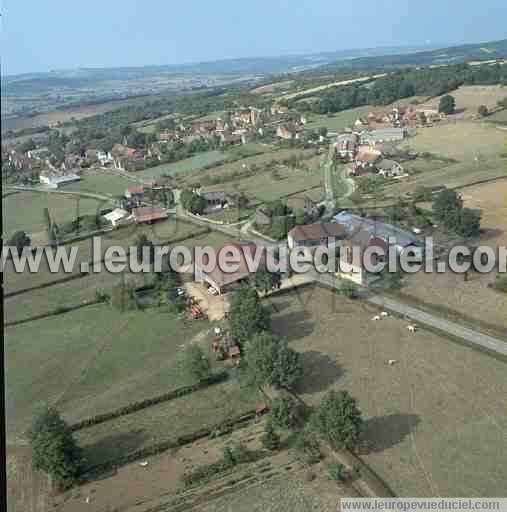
[183, 166]
[421, 425]
[25, 211]
[102, 182]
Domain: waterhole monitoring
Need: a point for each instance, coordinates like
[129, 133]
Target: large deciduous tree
[338, 420]
[19, 240]
[447, 104]
[196, 363]
[54, 449]
[247, 315]
[270, 361]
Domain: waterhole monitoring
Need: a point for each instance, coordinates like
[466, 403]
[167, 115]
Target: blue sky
[39, 35]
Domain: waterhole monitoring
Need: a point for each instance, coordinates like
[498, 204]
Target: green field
[71, 293]
[261, 185]
[74, 292]
[102, 182]
[92, 360]
[166, 421]
[478, 149]
[124, 237]
[339, 121]
[264, 186]
[25, 211]
[183, 166]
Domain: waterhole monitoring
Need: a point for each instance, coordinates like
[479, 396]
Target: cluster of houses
[371, 140]
[136, 205]
[365, 152]
[346, 230]
[350, 230]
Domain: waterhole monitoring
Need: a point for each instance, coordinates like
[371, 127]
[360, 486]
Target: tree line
[405, 84]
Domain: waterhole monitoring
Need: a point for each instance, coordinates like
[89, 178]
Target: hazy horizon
[54, 35]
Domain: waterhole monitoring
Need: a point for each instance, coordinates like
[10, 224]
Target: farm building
[346, 145]
[383, 135]
[226, 281]
[219, 199]
[360, 241]
[134, 192]
[118, 217]
[389, 168]
[290, 131]
[313, 235]
[354, 224]
[149, 214]
[55, 181]
[366, 158]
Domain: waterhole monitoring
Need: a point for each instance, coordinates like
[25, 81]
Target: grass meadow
[25, 211]
[423, 434]
[91, 361]
[101, 182]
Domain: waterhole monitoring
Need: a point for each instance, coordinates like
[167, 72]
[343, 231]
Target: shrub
[337, 471]
[307, 447]
[270, 439]
[196, 363]
[284, 413]
[500, 284]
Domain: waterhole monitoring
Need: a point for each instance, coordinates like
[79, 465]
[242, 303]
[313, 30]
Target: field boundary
[217, 378]
[54, 312]
[225, 427]
[47, 284]
[452, 313]
[369, 485]
[481, 182]
[87, 274]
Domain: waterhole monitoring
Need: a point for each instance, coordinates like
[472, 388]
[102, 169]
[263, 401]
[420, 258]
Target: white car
[212, 291]
[180, 292]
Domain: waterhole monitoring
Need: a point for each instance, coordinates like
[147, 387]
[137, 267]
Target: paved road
[329, 192]
[422, 317]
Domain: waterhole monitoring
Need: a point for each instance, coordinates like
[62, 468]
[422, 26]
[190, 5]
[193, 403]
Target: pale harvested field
[288, 494]
[435, 421]
[491, 199]
[472, 298]
[470, 97]
[462, 140]
[478, 149]
[27, 490]
[154, 487]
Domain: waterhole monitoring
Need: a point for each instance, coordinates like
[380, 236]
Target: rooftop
[317, 231]
[354, 223]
